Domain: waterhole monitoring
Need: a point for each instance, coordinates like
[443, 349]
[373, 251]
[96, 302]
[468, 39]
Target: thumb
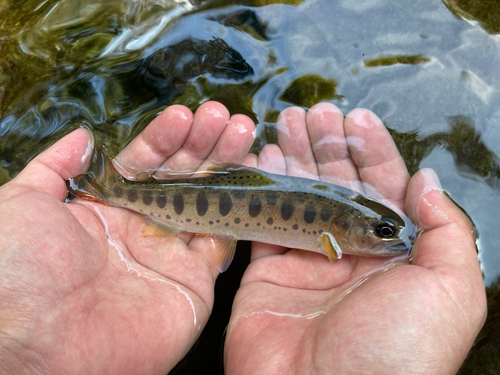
[67, 158]
[448, 238]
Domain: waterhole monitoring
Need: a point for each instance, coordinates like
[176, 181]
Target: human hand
[297, 313]
[81, 291]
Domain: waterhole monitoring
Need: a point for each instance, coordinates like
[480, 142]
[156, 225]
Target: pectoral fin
[330, 246]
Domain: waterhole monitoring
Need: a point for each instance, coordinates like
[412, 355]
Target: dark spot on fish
[197, 223]
[227, 224]
[286, 209]
[239, 194]
[217, 221]
[303, 231]
[178, 203]
[225, 204]
[295, 226]
[188, 220]
[117, 191]
[258, 224]
[161, 199]
[309, 213]
[269, 221]
[284, 229]
[326, 213]
[275, 228]
[254, 207]
[210, 222]
[132, 195]
[246, 225]
[147, 198]
[271, 199]
[320, 231]
[201, 204]
[237, 220]
[168, 217]
[314, 232]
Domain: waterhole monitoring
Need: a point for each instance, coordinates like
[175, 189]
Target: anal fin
[222, 251]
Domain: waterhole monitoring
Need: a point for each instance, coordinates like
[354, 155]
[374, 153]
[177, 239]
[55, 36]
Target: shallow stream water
[429, 69]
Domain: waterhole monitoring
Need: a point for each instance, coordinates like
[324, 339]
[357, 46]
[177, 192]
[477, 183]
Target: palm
[298, 313]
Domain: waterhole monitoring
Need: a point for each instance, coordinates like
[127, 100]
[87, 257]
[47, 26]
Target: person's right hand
[296, 313]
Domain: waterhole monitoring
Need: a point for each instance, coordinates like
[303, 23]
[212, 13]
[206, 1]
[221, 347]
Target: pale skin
[70, 305]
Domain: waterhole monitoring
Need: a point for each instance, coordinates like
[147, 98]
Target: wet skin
[68, 301]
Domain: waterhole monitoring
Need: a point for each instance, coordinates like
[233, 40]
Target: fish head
[374, 231]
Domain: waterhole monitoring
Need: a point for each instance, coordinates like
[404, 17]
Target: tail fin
[93, 184]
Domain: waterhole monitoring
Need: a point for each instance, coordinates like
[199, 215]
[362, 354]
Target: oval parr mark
[254, 207]
[286, 209]
[309, 214]
[201, 204]
[118, 191]
[161, 199]
[132, 195]
[147, 197]
[178, 203]
[225, 204]
[326, 213]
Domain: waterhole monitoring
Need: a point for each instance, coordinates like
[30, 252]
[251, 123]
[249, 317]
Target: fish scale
[244, 203]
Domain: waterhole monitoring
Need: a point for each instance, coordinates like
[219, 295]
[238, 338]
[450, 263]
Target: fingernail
[364, 118]
[431, 180]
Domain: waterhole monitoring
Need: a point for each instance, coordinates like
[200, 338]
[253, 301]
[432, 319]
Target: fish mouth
[401, 247]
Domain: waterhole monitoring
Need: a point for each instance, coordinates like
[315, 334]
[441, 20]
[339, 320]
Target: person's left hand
[81, 290]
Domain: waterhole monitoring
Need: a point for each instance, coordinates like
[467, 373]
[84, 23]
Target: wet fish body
[244, 203]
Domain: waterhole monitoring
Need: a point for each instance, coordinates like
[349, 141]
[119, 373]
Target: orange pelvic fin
[153, 228]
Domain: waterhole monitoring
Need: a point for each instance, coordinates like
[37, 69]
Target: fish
[242, 203]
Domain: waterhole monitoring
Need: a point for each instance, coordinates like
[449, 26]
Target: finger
[294, 141]
[157, 142]
[209, 122]
[67, 158]
[380, 165]
[270, 159]
[444, 225]
[325, 125]
[234, 143]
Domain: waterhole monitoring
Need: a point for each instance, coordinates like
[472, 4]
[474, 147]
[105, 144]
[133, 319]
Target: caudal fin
[93, 184]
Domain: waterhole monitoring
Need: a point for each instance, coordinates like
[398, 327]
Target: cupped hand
[297, 313]
[81, 290]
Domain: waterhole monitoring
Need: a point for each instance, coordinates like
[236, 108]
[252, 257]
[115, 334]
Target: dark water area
[429, 69]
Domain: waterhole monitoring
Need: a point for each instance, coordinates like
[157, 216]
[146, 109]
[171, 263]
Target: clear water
[430, 69]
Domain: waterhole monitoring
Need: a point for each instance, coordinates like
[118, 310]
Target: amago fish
[238, 202]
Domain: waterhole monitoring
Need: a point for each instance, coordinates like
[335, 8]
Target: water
[429, 69]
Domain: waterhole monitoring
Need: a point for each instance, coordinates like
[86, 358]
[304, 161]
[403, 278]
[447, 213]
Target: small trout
[238, 202]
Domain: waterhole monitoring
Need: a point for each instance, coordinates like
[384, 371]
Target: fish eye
[386, 228]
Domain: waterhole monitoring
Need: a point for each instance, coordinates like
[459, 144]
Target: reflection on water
[113, 65]
[473, 159]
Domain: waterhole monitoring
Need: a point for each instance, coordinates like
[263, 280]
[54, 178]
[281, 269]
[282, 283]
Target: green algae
[388, 60]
